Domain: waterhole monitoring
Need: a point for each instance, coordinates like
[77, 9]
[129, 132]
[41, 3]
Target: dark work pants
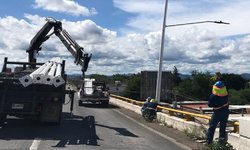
[218, 117]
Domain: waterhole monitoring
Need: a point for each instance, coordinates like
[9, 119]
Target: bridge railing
[188, 116]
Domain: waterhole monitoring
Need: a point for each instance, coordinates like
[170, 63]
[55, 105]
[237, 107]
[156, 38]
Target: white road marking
[35, 144]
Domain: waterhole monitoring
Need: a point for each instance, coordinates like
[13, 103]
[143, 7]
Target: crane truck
[41, 101]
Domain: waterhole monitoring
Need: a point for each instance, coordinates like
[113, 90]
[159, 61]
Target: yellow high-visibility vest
[219, 91]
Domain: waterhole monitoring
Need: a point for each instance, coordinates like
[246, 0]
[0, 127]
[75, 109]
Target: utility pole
[159, 75]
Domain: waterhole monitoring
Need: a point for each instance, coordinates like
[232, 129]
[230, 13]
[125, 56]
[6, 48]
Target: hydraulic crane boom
[81, 57]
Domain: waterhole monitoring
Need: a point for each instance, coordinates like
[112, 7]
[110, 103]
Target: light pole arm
[199, 22]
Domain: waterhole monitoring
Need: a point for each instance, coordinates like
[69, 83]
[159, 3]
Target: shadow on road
[121, 131]
[90, 105]
[74, 130]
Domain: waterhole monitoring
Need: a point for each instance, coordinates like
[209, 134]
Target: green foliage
[176, 77]
[198, 86]
[234, 81]
[75, 80]
[184, 88]
[123, 78]
[240, 97]
[120, 77]
[220, 144]
[133, 87]
[99, 77]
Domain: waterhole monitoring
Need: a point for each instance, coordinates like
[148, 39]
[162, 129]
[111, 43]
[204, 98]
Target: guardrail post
[236, 128]
[171, 113]
[159, 109]
[188, 117]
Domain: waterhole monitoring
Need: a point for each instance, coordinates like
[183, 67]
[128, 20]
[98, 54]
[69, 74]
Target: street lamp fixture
[159, 75]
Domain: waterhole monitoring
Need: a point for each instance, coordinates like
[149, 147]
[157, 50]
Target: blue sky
[124, 35]
[108, 16]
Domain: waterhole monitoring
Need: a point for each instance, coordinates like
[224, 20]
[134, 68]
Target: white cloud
[88, 31]
[140, 6]
[148, 16]
[195, 49]
[65, 6]
[13, 33]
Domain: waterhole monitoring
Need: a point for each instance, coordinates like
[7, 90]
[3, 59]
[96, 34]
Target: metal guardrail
[188, 116]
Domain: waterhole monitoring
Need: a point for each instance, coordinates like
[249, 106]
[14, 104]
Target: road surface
[92, 127]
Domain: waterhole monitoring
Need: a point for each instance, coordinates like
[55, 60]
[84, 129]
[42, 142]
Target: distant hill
[246, 76]
[184, 76]
[74, 76]
[243, 75]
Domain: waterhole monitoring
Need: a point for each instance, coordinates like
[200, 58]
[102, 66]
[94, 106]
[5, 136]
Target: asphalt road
[92, 127]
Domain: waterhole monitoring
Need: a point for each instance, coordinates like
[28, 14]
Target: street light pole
[159, 75]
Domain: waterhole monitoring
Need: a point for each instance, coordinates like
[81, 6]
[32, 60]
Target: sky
[124, 36]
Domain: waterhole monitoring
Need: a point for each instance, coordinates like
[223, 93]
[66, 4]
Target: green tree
[176, 76]
[234, 81]
[198, 86]
[240, 97]
[99, 77]
[201, 84]
[133, 87]
[120, 77]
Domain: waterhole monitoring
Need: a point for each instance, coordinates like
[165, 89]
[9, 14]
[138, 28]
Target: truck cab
[94, 92]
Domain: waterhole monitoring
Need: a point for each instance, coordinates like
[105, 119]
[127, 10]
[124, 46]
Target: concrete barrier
[189, 127]
[244, 135]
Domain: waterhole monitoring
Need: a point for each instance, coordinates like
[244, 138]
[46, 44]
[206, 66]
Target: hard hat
[152, 100]
[219, 84]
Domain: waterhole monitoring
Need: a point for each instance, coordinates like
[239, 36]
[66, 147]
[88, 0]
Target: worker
[144, 106]
[219, 101]
[152, 104]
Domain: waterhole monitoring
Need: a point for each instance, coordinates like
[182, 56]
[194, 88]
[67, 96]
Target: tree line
[197, 86]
